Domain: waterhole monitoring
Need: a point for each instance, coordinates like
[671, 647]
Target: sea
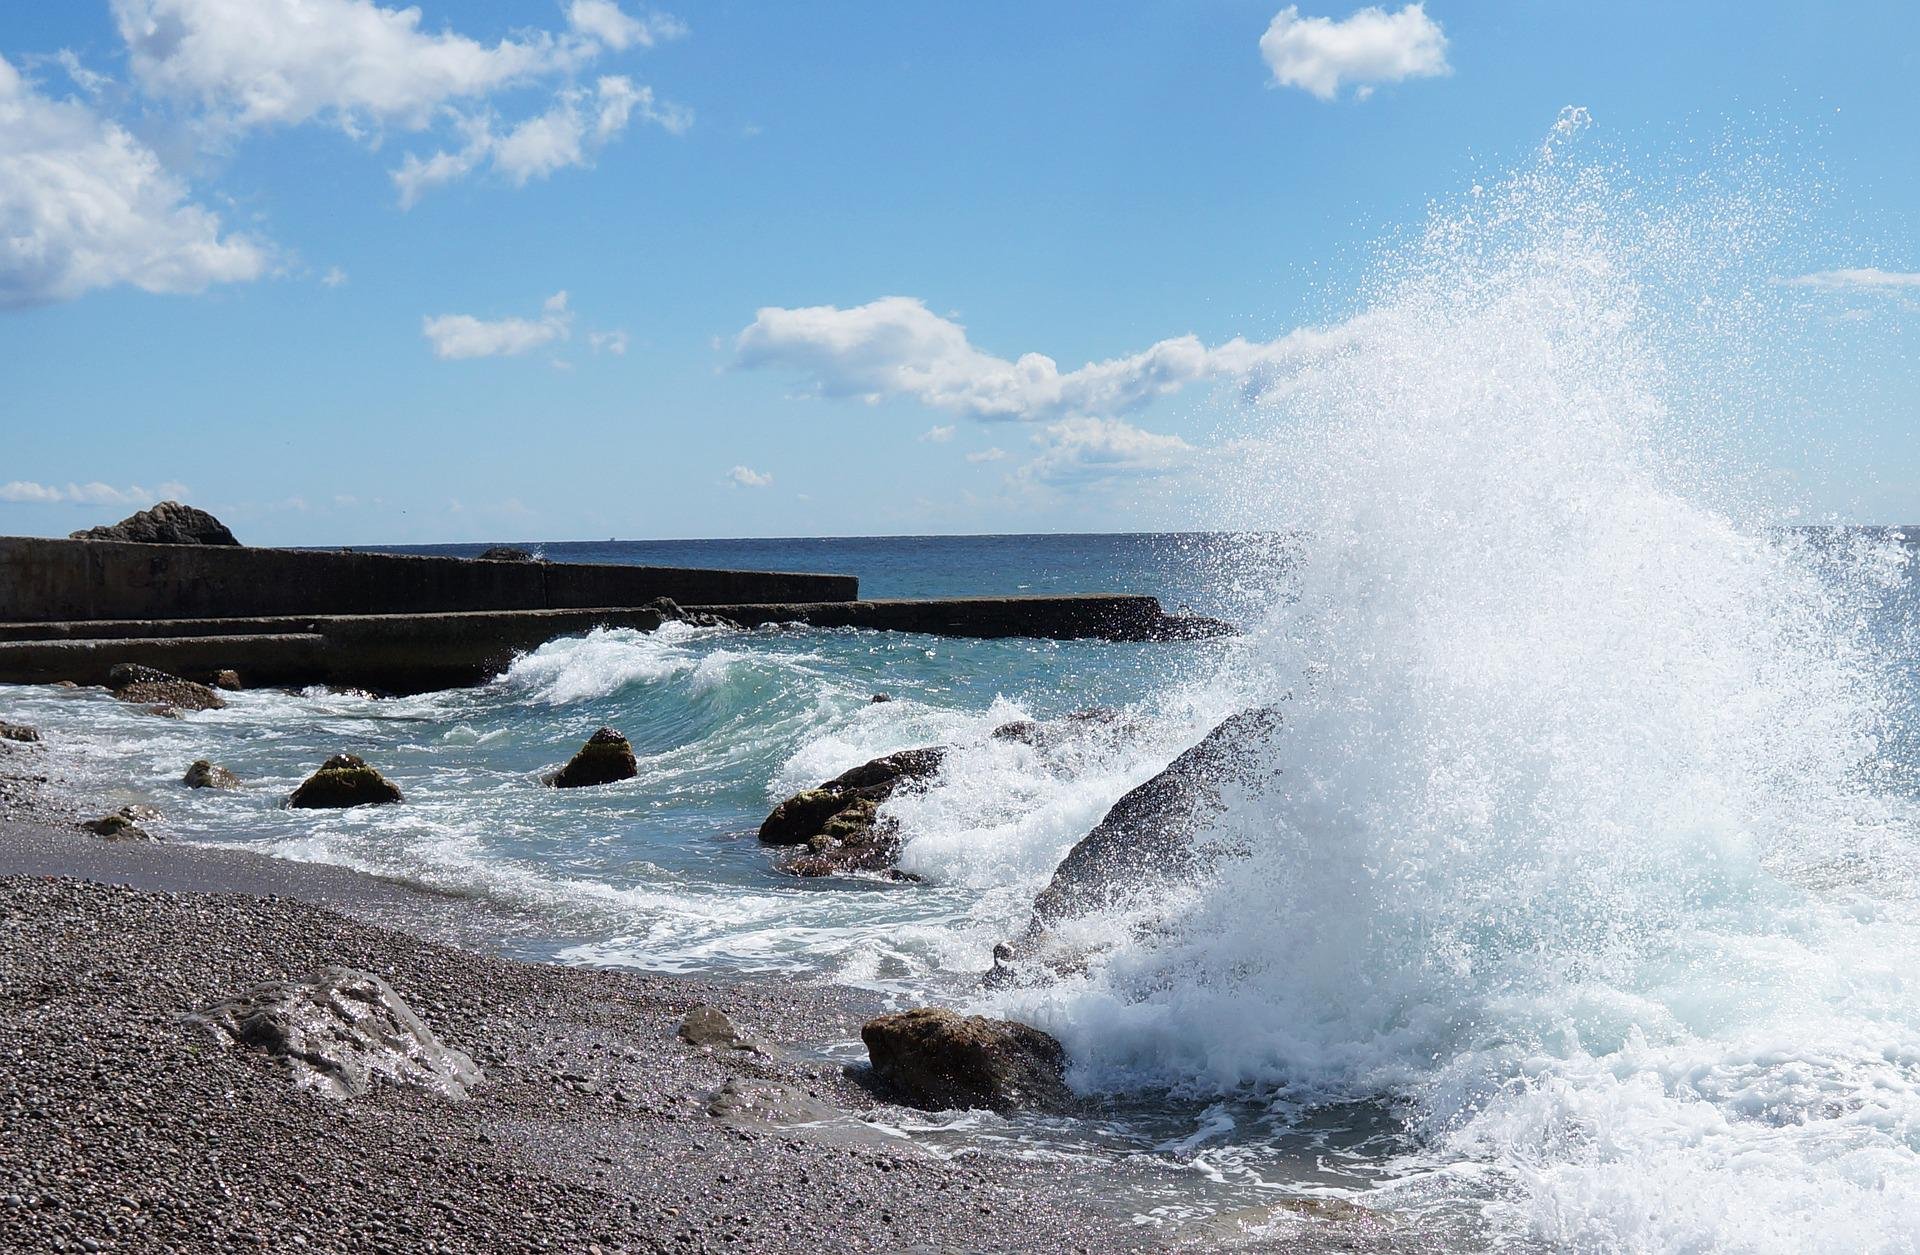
[1577, 906]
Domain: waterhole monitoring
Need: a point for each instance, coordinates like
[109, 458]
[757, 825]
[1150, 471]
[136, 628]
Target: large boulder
[202, 774]
[838, 826]
[148, 686]
[940, 1060]
[168, 523]
[605, 758]
[339, 1031]
[1147, 840]
[342, 781]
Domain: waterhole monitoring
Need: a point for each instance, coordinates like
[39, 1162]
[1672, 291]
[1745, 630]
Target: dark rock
[877, 698]
[342, 781]
[709, 1026]
[146, 686]
[206, 775]
[168, 523]
[228, 680]
[1054, 732]
[673, 612]
[939, 1060]
[1148, 838]
[838, 827]
[506, 553]
[340, 1031]
[17, 732]
[605, 758]
[123, 824]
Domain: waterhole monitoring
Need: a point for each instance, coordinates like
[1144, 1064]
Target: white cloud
[1866, 279]
[747, 477]
[614, 342]
[570, 133]
[604, 21]
[335, 277]
[84, 205]
[897, 347]
[1320, 55]
[255, 63]
[995, 454]
[1085, 450]
[460, 336]
[91, 493]
[938, 435]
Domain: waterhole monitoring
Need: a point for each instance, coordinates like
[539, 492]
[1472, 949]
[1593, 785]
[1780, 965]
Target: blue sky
[548, 269]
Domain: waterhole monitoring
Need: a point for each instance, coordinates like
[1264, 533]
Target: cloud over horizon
[94, 492]
[896, 347]
[1372, 46]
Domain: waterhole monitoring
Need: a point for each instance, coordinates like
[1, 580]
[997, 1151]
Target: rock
[168, 523]
[339, 1032]
[228, 680]
[344, 780]
[17, 732]
[939, 1060]
[878, 698]
[838, 827]
[124, 824]
[605, 758]
[1146, 839]
[506, 553]
[206, 775]
[673, 612]
[1055, 732]
[146, 686]
[709, 1026]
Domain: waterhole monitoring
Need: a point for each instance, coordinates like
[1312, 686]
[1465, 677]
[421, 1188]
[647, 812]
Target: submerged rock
[207, 775]
[672, 611]
[18, 732]
[1146, 840]
[168, 523]
[149, 686]
[506, 553]
[340, 1031]
[342, 781]
[939, 1060]
[838, 827]
[605, 758]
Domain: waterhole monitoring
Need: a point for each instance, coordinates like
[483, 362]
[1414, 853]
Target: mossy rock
[344, 780]
[606, 757]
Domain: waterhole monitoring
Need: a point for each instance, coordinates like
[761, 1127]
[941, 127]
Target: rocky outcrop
[1147, 839]
[940, 1060]
[605, 758]
[342, 781]
[124, 824]
[146, 686]
[228, 680]
[203, 774]
[673, 612]
[168, 523]
[341, 1031]
[17, 732]
[506, 553]
[838, 827]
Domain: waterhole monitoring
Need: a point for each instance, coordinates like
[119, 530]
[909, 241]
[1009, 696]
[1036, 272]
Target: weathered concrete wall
[54, 580]
[1095, 616]
[408, 653]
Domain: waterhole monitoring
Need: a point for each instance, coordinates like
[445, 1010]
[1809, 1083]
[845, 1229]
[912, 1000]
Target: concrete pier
[71, 610]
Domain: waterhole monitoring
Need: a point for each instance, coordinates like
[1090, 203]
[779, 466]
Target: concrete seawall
[43, 581]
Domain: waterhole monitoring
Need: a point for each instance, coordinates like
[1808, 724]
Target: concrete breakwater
[71, 609]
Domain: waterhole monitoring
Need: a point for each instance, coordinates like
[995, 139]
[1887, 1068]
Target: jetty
[402, 623]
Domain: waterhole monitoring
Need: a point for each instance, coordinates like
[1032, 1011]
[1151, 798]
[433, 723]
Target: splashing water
[1575, 852]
